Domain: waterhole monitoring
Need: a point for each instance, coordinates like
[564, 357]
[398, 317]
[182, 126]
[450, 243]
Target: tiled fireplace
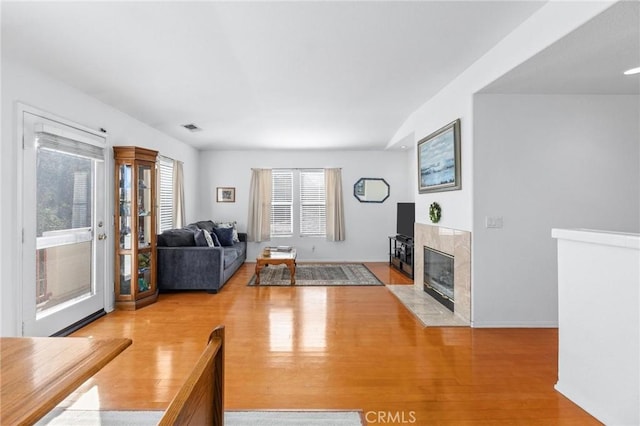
[454, 243]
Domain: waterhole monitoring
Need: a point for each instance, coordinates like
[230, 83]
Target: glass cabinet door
[144, 205]
[124, 198]
[125, 274]
[144, 272]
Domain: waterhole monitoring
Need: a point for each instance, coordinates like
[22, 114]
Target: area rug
[318, 274]
[231, 418]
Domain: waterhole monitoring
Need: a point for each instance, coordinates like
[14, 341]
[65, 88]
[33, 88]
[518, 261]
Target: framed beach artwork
[439, 160]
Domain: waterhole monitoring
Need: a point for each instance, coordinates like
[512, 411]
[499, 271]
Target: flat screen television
[405, 219]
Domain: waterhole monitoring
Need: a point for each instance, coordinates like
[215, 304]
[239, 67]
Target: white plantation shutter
[165, 212]
[282, 203]
[312, 203]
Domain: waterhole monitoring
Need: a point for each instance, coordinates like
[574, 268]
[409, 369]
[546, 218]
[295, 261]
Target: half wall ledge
[599, 341]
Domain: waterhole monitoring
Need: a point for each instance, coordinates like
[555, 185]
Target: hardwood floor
[332, 348]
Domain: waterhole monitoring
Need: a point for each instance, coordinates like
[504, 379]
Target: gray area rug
[71, 417]
[325, 274]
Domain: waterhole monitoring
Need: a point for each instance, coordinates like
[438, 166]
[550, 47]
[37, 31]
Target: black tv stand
[403, 238]
[401, 254]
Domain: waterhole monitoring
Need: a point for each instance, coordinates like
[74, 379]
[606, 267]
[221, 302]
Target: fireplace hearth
[439, 276]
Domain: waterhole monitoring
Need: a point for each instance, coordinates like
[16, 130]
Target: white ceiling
[337, 75]
[308, 75]
[590, 60]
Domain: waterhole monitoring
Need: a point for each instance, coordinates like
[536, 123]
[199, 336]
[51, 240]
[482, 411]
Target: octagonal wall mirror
[371, 190]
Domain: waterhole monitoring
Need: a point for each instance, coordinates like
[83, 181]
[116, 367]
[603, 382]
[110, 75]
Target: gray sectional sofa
[187, 262]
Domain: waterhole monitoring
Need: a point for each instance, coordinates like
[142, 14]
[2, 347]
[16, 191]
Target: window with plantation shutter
[298, 203]
[165, 210]
[312, 203]
[282, 203]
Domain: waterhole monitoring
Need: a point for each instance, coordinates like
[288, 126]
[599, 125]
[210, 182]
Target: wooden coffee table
[287, 258]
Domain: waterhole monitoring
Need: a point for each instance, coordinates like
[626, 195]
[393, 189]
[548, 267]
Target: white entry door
[64, 226]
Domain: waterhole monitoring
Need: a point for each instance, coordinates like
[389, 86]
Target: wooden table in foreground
[287, 258]
[37, 373]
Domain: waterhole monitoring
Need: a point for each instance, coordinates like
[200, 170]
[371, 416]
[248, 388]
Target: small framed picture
[225, 195]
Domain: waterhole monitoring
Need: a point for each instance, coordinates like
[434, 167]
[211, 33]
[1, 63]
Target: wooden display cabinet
[135, 227]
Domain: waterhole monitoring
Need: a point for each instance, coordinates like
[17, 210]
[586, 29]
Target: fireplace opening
[438, 276]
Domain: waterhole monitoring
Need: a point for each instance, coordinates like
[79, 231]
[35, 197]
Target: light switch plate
[493, 221]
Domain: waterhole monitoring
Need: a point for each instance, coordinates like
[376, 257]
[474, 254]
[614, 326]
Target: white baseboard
[514, 324]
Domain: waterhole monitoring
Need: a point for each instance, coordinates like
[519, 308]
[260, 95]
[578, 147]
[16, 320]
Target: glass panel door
[64, 205]
[63, 253]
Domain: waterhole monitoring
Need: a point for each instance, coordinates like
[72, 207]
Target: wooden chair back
[200, 401]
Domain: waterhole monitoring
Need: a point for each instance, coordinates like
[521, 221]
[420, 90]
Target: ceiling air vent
[191, 127]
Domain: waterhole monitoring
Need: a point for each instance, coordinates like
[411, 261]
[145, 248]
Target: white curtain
[334, 204]
[259, 221]
[178, 195]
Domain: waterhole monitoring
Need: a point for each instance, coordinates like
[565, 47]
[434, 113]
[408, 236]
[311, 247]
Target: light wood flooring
[332, 348]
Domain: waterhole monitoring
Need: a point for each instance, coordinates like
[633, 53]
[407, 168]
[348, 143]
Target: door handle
[102, 236]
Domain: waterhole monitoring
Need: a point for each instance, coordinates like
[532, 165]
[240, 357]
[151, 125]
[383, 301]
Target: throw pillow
[207, 237]
[201, 238]
[176, 238]
[225, 235]
[192, 226]
[205, 224]
[229, 225]
[216, 241]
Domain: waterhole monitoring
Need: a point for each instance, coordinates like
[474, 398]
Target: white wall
[545, 161]
[21, 83]
[551, 22]
[367, 224]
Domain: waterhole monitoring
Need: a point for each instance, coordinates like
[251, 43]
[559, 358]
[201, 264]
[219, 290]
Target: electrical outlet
[493, 222]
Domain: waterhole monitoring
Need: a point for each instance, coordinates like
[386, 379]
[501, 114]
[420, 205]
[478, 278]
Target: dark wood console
[401, 254]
